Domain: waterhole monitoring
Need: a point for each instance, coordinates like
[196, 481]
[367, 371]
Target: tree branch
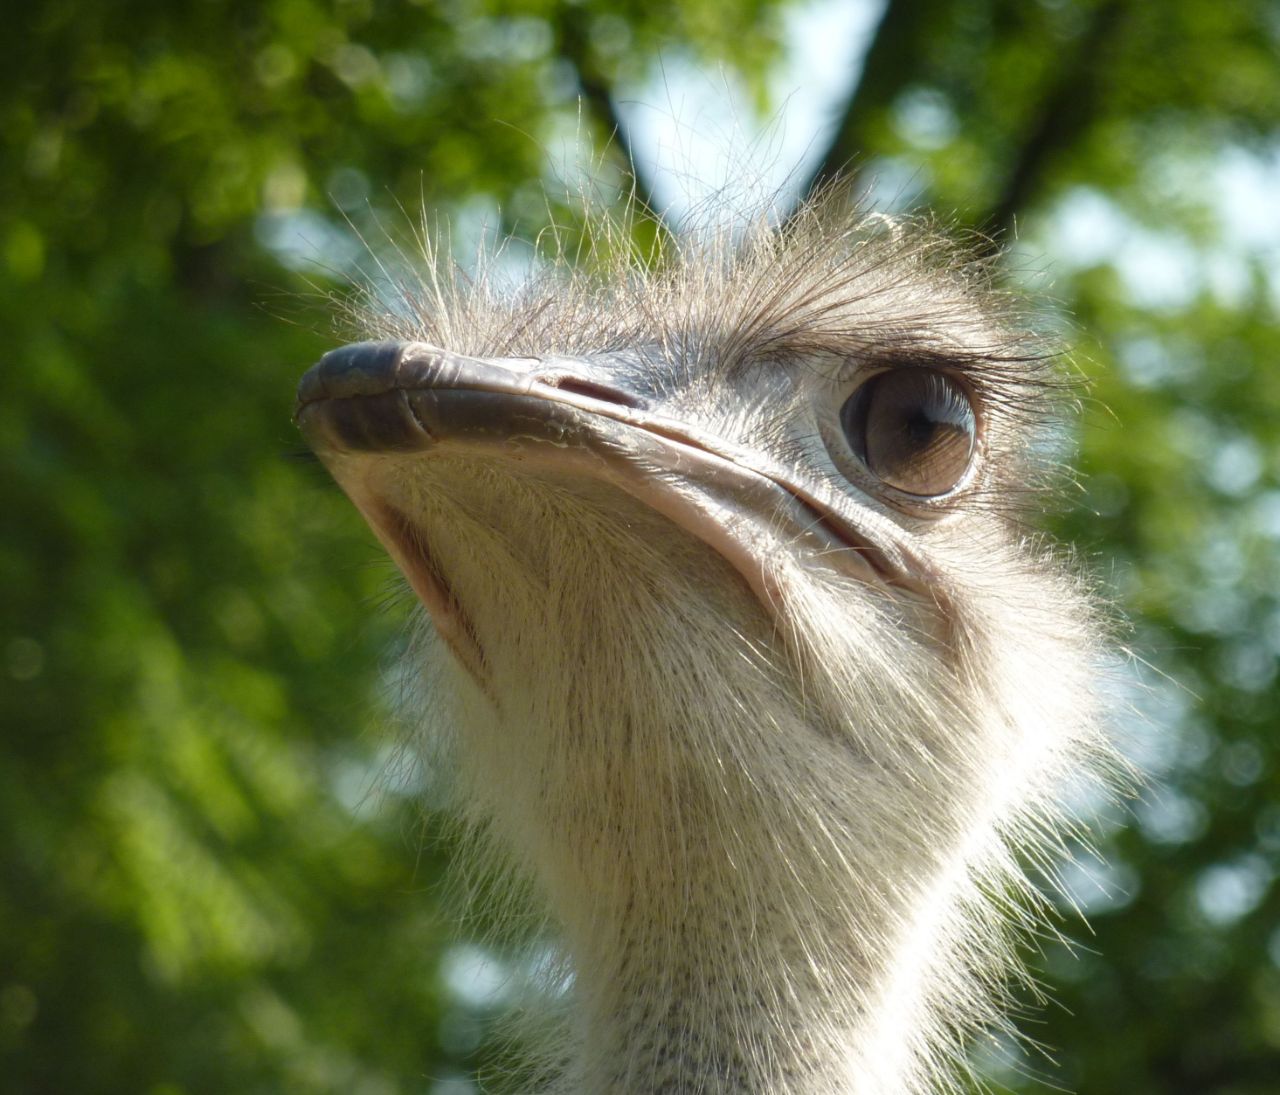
[1065, 110]
[887, 59]
[573, 48]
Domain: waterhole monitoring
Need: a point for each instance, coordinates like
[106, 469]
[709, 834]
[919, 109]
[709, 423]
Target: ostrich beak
[373, 399]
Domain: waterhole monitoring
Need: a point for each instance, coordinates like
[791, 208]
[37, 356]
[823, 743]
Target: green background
[206, 885]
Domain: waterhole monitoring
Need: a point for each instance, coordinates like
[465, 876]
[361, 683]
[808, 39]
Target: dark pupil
[913, 428]
[919, 429]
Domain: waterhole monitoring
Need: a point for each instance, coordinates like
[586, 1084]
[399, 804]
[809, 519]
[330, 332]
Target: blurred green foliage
[200, 891]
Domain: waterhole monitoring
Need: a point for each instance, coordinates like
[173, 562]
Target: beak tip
[361, 368]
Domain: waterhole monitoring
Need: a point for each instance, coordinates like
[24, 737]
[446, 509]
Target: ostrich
[748, 662]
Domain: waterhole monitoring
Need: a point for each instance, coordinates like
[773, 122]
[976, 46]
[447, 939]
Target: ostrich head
[749, 662]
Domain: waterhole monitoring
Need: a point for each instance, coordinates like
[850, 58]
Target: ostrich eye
[913, 428]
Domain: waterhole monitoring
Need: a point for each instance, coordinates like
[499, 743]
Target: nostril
[591, 389]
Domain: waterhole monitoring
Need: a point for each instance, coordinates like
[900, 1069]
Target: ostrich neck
[720, 1006]
[738, 938]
